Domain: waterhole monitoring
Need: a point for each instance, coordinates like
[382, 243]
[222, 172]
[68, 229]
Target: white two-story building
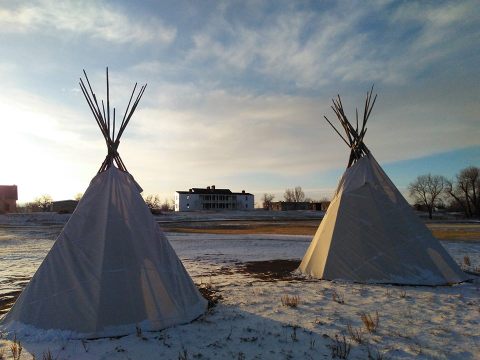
[211, 198]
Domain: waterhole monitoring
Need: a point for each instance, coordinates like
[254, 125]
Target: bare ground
[441, 230]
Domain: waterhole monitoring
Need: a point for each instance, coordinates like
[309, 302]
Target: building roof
[211, 190]
[8, 192]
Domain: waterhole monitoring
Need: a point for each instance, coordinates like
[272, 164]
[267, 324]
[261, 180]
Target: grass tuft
[338, 297]
[340, 348]
[355, 334]
[47, 355]
[370, 322]
[290, 301]
[375, 354]
[16, 348]
[183, 355]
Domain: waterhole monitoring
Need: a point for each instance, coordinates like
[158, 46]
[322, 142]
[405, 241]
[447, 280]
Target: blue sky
[237, 91]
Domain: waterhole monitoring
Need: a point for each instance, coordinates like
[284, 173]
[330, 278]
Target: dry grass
[260, 229]
[442, 231]
[370, 322]
[47, 355]
[455, 231]
[290, 301]
[375, 354]
[183, 355]
[355, 334]
[210, 293]
[338, 297]
[16, 348]
[340, 348]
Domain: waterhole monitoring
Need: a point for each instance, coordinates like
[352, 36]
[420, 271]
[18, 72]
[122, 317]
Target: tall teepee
[370, 234]
[111, 269]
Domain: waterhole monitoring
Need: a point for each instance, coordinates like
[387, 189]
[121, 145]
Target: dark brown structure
[64, 206]
[291, 205]
[8, 198]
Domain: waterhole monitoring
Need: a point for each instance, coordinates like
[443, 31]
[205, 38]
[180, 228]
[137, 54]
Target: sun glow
[35, 152]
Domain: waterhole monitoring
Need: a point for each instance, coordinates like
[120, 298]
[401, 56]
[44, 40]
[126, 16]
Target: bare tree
[299, 194]
[289, 195]
[470, 176]
[167, 205]
[267, 201]
[427, 190]
[294, 195]
[153, 202]
[466, 190]
[44, 202]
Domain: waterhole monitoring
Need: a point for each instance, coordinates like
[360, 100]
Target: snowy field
[250, 321]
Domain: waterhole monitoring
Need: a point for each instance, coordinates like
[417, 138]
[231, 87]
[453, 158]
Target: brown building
[8, 198]
[290, 205]
[64, 206]
[320, 206]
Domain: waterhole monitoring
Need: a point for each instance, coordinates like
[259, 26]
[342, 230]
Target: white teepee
[111, 269]
[370, 234]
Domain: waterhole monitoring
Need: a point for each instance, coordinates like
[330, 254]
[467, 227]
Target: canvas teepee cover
[369, 233]
[111, 269]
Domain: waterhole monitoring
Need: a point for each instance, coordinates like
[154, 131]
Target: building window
[188, 206]
[188, 197]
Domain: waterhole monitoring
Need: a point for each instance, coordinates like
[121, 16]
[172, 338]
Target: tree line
[459, 194]
[44, 203]
[295, 194]
[155, 204]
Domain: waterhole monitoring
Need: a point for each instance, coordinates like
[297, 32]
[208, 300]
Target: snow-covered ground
[250, 321]
[50, 218]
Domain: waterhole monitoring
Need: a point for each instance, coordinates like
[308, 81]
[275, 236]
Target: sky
[237, 91]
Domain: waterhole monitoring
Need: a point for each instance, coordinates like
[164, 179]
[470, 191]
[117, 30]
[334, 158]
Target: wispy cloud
[97, 20]
[312, 48]
[237, 90]
[444, 29]
[228, 133]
